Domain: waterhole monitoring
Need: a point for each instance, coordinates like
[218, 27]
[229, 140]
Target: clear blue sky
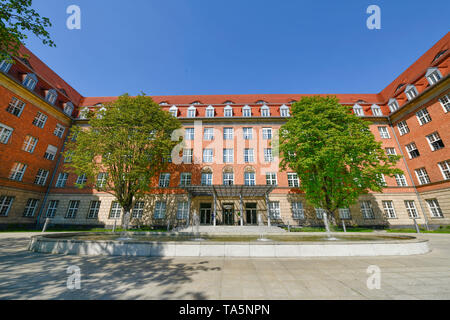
[173, 47]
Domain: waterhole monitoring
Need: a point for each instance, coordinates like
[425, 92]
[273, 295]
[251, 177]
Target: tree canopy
[17, 18]
[334, 153]
[128, 141]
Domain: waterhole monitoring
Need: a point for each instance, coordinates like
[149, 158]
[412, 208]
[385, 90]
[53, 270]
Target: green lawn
[143, 229]
[441, 229]
[333, 229]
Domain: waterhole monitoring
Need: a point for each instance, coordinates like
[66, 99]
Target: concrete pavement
[27, 275]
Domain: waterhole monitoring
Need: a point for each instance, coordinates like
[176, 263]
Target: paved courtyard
[27, 275]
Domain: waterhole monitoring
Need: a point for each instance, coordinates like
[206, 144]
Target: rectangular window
[319, 213]
[185, 179]
[208, 134]
[62, 179]
[445, 169]
[189, 134]
[268, 157]
[384, 133]
[265, 112]
[15, 107]
[435, 209]
[59, 131]
[5, 66]
[389, 211]
[115, 211]
[81, 179]
[376, 111]
[366, 210]
[39, 120]
[51, 152]
[297, 210]
[228, 178]
[94, 208]
[187, 155]
[401, 180]
[293, 180]
[192, 113]
[393, 106]
[274, 210]
[208, 155]
[248, 156]
[411, 209]
[5, 133]
[17, 171]
[445, 102]
[29, 144]
[267, 133]
[391, 152]
[160, 210]
[101, 180]
[284, 112]
[422, 176]
[210, 112]
[72, 209]
[433, 78]
[51, 209]
[403, 128]
[344, 214]
[248, 133]
[271, 179]
[413, 152]
[5, 205]
[358, 111]
[164, 180]
[138, 210]
[206, 179]
[228, 155]
[435, 141]
[249, 179]
[182, 210]
[41, 177]
[423, 116]
[228, 112]
[30, 207]
[246, 112]
[411, 93]
[228, 133]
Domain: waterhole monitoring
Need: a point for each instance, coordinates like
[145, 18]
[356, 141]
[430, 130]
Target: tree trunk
[126, 219]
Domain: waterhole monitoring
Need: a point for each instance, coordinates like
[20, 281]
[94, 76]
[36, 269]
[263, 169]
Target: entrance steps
[234, 229]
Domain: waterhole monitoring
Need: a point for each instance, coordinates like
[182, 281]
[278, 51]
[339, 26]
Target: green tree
[334, 153]
[130, 140]
[16, 19]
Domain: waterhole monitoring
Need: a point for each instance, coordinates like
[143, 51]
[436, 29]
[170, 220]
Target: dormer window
[30, 81]
[192, 111]
[265, 111]
[433, 75]
[196, 103]
[51, 96]
[174, 111]
[358, 110]
[261, 102]
[247, 111]
[228, 102]
[228, 111]
[210, 112]
[393, 105]
[411, 92]
[84, 113]
[68, 108]
[284, 111]
[5, 66]
[164, 103]
[376, 110]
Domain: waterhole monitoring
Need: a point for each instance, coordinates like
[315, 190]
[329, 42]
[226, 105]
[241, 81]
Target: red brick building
[229, 172]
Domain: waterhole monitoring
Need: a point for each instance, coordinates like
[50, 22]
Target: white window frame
[401, 180]
[246, 111]
[164, 180]
[271, 179]
[206, 179]
[62, 180]
[52, 208]
[185, 179]
[41, 177]
[81, 179]
[15, 107]
[268, 156]
[228, 111]
[284, 111]
[188, 156]
[208, 155]
[366, 209]
[411, 147]
[293, 181]
[210, 112]
[115, 211]
[228, 178]
[422, 176]
[228, 133]
[433, 76]
[445, 102]
[344, 213]
[101, 180]
[435, 138]
[249, 156]
[384, 132]
[411, 209]
[30, 207]
[138, 210]
[30, 81]
[72, 209]
[40, 120]
[160, 210]
[267, 133]
[5, 66]
[274, 210]
[17, 171]
[51, 152]
[249, 178]
[389, 209]
[402, 127]
[393, 105]
[298, 212]
[265, 111]
[423, 116]
[29, 144]
[434, 207]
[411, 92]
[192, 112]
[68, 108]
[5, 205]
[228, 155]
[444, 166]
[182, 210]
[189, 134]
[247, 133]
[5, 133]
[376, 110]
[358, 110]
[319, 213]
[174, 111]
[51, 96]
[59, 130]
[94, 208]
[208, 134]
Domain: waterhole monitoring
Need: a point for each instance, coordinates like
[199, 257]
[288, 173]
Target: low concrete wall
[274, 249]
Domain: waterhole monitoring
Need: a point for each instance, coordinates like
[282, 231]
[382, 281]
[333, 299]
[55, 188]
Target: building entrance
[250, 212]
[205, 213]
[228, 214]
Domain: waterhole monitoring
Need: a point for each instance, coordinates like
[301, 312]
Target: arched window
[228, 111]
[164, 103]
[284, 111]
[228, 102]
[192, 112]
[210, 111]
[68, 108]
[174, 111]
[30, 81]
[358, 110]
[247, 111]
[196, 103]
[265, 111]
[261, 102]
[228, 176]
[51, 96]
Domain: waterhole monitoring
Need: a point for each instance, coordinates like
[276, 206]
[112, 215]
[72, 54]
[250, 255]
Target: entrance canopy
[230, 191]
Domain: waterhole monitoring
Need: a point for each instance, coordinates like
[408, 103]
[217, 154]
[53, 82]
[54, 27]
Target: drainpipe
[47, 192]
[409, 174]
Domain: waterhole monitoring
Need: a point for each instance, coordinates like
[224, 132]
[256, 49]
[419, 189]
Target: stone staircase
[233, 229]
